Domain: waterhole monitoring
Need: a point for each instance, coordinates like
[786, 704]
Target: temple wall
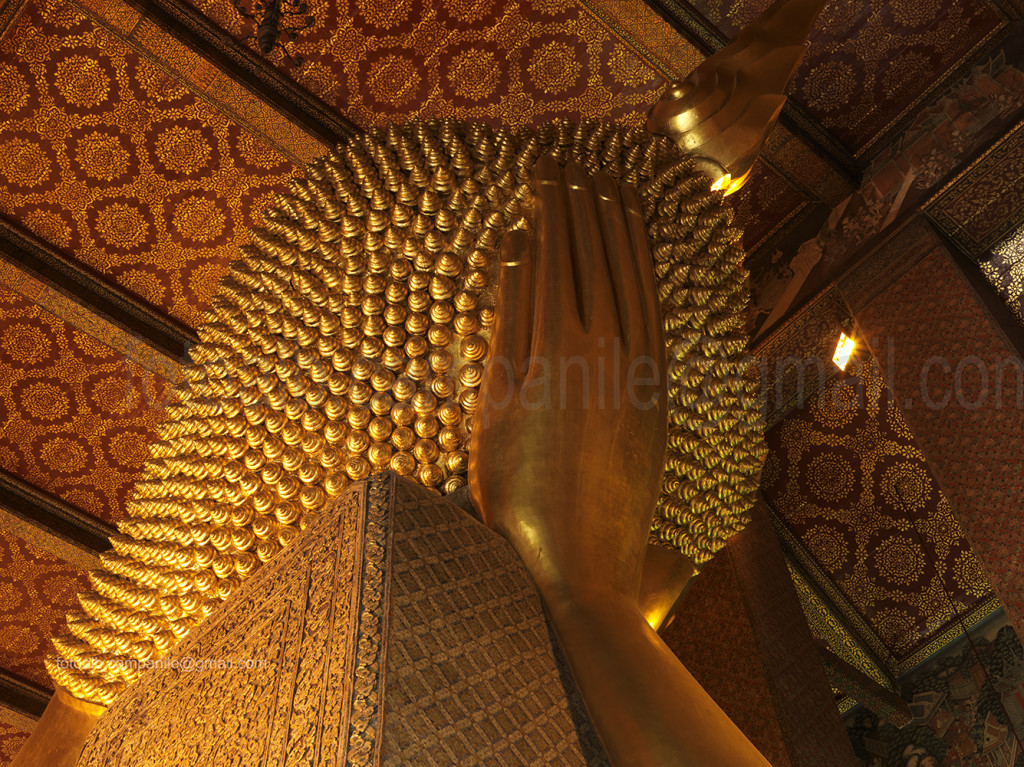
[741, 632]
[960, 385]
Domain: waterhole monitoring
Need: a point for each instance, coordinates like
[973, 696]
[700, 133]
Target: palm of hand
[568, 447]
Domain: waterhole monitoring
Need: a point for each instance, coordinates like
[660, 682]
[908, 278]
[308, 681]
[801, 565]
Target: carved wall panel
[378, 638]
[983, 205]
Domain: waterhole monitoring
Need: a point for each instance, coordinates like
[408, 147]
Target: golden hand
[569, 445]
[567, 456]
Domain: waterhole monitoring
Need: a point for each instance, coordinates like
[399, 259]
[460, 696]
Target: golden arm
[567, 457]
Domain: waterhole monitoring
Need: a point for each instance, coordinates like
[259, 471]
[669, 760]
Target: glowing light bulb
[721, 183]
[844, 350]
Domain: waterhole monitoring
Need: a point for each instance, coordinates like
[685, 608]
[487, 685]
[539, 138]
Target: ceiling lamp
[844, 350]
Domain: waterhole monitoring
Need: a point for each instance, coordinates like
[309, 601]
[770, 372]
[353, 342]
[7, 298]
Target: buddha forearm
[647, 708]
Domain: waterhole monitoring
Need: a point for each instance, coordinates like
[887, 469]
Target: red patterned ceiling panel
[106, 156]
[11, 741]
[870, 61]
[518, 62]
[766, 202]
[36, 592]
[76, 418]
[849, 482]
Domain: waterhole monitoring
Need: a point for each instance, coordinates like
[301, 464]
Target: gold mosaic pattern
[36, 590]
[826, 627]
[849, 482]
[107, 157]
[73, 313]
[75, 416]
[648, 34]
[202, 77]
[351, 337]
[516, 63]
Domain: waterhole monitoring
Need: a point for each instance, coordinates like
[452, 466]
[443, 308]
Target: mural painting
[967, 703]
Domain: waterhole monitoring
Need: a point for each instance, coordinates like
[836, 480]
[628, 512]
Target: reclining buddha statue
[466, 305]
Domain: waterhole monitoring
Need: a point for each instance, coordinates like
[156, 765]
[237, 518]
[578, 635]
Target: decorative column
[961, 386]
[741, 632]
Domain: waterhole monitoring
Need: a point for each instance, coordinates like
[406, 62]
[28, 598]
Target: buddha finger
[643, 262]
[619, 249]
[594, 297]
[510, 341]
[556, 314]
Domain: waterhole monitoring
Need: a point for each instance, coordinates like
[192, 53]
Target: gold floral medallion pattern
[517, 62]
[108, 157]
[75, 416]
[36, 590]
[853, 491]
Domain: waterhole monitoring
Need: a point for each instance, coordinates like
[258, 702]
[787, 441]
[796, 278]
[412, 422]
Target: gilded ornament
[352, 336]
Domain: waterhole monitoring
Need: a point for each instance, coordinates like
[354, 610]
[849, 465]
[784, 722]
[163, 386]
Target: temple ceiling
[38, 590]
[110, 158]
[143, 163]
[870, 66]
[516, 63]
[868, 527]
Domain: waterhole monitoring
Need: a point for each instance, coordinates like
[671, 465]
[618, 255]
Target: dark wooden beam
[23, 697]
[51, 515]
[708, 39]
[864, 689]
[691, 24]
[262, 78]
[25, 250]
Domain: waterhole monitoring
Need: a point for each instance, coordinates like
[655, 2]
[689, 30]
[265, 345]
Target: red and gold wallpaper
[871, 62]
[11, 741]
[76, 418]
[849, 482]
[109, 158]
[766, 202]
[963, 385]
[518, 62]
[515, 62]
[37, 592]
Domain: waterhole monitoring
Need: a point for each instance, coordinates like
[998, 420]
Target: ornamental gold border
[852, 623]
[594, 7]
[837, 632]
[370, 645]
[962, 183]
[846, 704]
[855, 623]
[950, 634]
